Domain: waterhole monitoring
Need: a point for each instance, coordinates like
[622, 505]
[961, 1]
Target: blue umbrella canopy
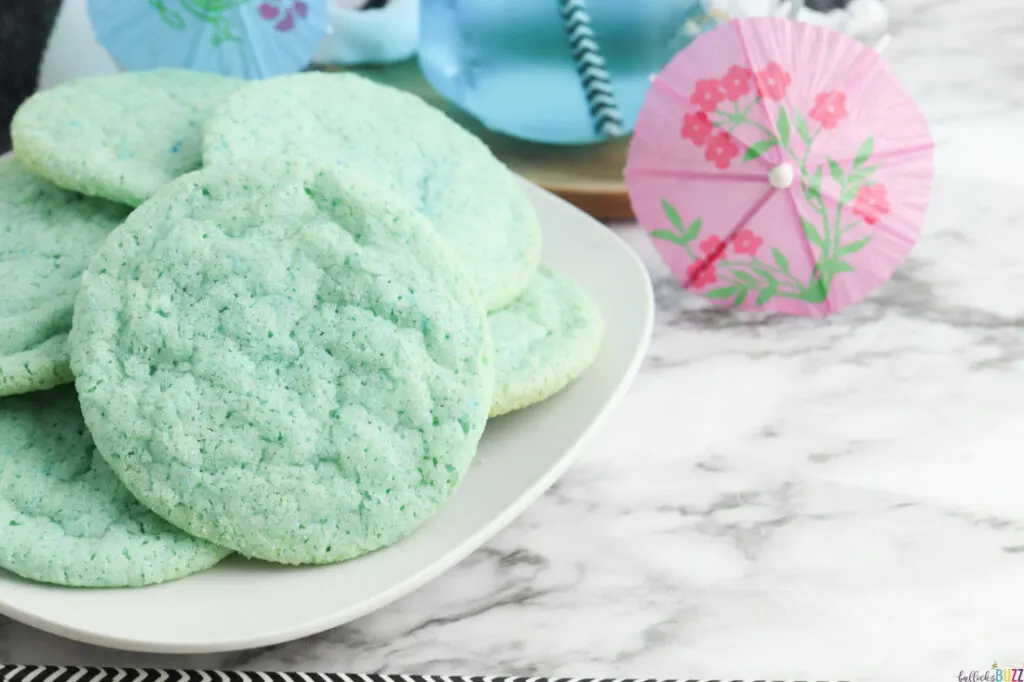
[247, 38]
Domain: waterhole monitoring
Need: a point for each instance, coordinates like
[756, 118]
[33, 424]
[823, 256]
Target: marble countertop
[780, 498]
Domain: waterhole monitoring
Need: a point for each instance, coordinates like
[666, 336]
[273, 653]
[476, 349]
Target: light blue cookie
[543, 341]
[66, 519]
[47, 236]
[395, 139]
[118, 137]
[283, 360]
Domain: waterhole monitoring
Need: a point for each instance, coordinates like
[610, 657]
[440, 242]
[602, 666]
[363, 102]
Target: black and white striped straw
[593, 72]
[52, 673]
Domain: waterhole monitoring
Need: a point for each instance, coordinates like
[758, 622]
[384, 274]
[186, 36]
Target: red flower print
[721, 150]
[747, 243]
[271, 11]
[696, 127]
[701, 273]
[736, 82]
[707, 95]
[773, 81]
[829, 109]
[711, 245]
[871, 203]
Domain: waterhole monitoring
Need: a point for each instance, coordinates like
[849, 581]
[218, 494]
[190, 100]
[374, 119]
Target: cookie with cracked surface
[284, 360]
[47, 236]
[543, 341]
[65, 518]
[118, 137]
[399, 141]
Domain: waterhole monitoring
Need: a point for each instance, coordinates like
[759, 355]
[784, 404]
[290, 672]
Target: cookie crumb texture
[47, 236]
[65, 519]
[396, 139]
[119, 137]
[543, 341]
[283, 360]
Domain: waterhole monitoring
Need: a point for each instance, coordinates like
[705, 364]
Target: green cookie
[283, 360]
[543, 341]
[47, 236]
[66, 519]
[397, 140]
[118, 137]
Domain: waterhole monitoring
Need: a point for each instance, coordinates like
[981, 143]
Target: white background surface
[781, 499]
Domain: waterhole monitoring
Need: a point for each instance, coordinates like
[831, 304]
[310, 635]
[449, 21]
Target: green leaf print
[814, 185]
[864, 153]
[765, 274]
[833, 266]
[693, 232]
[836, 171]
[783, 125]
[722, 292]
[673, 215]
[668, 236]
[857, 177]
[758, 148]
[853, 247]
[767, 293]
[745, 278]
[816, 292]
[780, 259]
[812, 233]
[802, 130]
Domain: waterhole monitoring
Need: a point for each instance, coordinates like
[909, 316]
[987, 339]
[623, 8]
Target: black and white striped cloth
[594, 76]
[39, 673]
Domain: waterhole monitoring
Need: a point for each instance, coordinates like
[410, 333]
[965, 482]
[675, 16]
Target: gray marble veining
[777, 497]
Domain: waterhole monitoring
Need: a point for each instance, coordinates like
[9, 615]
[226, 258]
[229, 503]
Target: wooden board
[590, 177]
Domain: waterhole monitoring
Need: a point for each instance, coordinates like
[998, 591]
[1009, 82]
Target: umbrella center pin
[782, 176]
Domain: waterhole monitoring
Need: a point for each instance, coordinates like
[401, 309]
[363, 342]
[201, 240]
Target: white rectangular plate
[242, 604]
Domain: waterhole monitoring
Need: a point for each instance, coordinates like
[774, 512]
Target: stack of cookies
[266, 318]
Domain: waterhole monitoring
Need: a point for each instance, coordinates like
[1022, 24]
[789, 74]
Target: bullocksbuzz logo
[996, 673]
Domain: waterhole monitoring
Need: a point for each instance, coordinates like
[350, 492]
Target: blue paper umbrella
[248, 38]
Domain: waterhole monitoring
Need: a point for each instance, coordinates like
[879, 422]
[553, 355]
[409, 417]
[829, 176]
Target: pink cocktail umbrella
[779, 165]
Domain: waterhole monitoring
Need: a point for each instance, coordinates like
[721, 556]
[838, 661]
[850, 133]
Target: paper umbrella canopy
[779, 165]
[247, 38]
